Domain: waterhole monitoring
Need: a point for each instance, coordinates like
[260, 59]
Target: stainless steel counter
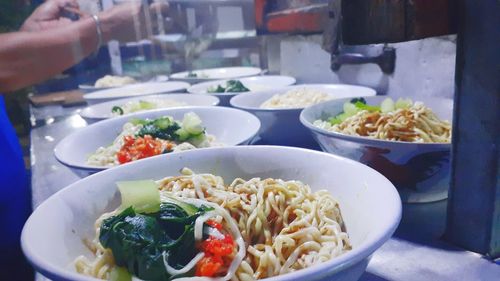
[415, 253]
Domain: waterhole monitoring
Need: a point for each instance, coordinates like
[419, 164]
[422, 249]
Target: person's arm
[30, 57]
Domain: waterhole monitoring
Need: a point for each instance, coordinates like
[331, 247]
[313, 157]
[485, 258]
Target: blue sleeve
[15, 202]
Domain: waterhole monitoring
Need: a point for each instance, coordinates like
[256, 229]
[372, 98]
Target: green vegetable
[350, 109]
[218, 89]
[182, 135]
[387, 105]
[364, 106]
[192, 123]
[119, 274]
[403, 103]
[145, 105]
[138, 241]
[232, 86]
[235, 86]
[164, 122]
[142, 195]
[136, 121]
[339, 118]
[192, 75]
[355, 100]
[190, 129]
[197, 140]
[162, 128]
[117, 110]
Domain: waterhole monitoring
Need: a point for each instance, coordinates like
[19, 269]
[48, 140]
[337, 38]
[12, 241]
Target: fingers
[168, 19]
[160, 8]
[66, 3]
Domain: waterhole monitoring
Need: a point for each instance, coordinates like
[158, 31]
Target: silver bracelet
[99, 33]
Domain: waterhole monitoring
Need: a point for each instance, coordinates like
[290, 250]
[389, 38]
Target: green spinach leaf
[138, 241]
[162, 128]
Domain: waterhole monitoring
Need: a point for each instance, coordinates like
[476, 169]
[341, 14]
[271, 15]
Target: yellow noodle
[285, 226]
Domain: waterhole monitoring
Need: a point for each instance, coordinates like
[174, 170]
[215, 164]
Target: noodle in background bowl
[101, 111]
[370, 205]
[281, 126]
[420, 171]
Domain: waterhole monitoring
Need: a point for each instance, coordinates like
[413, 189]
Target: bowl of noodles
[407, 141]
[137, 136]
[279, 109]
[227, 213]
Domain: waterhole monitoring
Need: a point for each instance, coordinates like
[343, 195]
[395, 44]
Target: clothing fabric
[15, 201]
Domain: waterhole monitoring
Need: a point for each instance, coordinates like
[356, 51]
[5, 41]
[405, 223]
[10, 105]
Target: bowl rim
[291, 87]
[94, 88]
[366, 140]
[218, 81]
[178, 75]
[123, 119]
[83, 112]
[331, 266]
[97, 95]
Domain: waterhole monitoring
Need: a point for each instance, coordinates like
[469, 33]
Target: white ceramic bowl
[420, 171]
[370, 205]
[102, 111]
[254, 84]
[89, 88]
[210, 74]
[134, 90]
[229, 126]
[282, 126]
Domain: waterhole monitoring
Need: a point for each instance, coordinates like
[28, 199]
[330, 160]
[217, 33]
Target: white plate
[140, 89]
[282, 126]
[102, 111]
[254, 84]
[53, 235]
[230, 126]
[216, 74]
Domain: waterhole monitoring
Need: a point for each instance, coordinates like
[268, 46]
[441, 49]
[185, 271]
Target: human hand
[49, 15]
[131, 21]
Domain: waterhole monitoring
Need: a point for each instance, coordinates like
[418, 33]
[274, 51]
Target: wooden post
[474, 200]
[385, 21]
